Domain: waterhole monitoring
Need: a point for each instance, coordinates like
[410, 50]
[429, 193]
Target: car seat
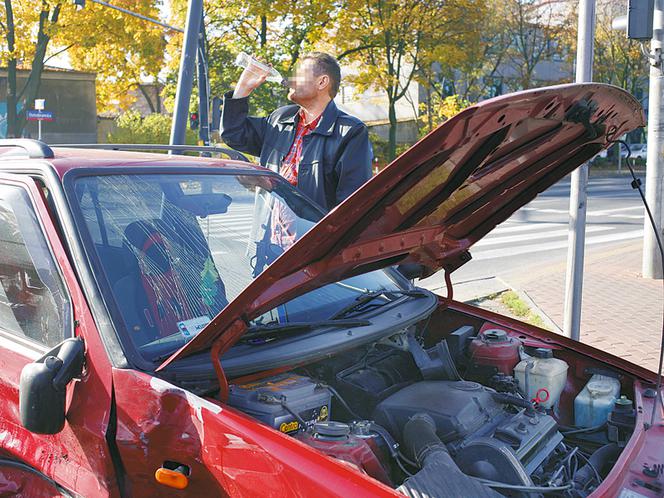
[174, 279]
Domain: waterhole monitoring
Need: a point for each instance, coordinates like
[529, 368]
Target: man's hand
[251, 78]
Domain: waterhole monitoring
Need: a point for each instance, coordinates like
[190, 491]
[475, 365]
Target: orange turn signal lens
[171, 478]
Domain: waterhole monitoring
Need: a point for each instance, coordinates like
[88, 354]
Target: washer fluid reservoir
[595, 401]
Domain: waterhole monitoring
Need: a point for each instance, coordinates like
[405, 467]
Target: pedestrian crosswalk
[235, 224]
[522, 234]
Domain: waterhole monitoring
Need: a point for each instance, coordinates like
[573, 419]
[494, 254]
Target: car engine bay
[477, 413]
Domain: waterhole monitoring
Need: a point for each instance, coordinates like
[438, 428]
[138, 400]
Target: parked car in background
[637, 151]
[179, 326]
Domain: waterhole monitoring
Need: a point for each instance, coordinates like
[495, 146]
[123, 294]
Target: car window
[176, 249]
[33, 300]
[105, 204]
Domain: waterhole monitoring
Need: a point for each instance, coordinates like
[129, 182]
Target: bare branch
[350, 51]
[58, 53]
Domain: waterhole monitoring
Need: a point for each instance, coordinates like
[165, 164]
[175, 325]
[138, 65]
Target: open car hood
[432, 203]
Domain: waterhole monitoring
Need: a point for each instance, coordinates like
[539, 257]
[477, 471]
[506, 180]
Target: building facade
[69, 95]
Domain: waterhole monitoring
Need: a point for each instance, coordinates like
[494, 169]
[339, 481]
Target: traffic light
[79, 4]
[640, 19]
[193, 120]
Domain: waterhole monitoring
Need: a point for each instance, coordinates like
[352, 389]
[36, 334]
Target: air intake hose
[439, 475]
[419, 435]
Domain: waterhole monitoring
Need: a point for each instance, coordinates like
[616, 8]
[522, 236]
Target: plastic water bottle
[247, 61]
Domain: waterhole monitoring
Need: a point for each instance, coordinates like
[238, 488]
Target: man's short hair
[326, 64]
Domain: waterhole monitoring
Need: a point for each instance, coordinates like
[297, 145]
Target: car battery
[272, 400]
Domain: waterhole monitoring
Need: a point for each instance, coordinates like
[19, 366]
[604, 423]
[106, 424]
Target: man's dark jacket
[336, 155]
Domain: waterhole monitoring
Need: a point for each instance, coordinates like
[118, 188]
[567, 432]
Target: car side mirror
[43, 386]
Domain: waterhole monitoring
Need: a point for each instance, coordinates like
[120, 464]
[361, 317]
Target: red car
[179, 326]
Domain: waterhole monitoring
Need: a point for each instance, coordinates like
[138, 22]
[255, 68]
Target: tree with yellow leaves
[617, 59]
[391, 40]
[121, 49]
[276, 31]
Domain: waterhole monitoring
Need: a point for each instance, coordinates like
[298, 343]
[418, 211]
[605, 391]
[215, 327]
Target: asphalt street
[536, 235]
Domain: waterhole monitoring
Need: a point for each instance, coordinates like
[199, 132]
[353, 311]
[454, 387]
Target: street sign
[34, 115]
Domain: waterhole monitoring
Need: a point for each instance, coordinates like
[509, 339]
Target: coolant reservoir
[542, 377]
[595, 401]
[336, 440]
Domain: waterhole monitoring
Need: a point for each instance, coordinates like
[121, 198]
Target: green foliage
[151, 129]
[121, 49]
[520, 309]
[380, 151]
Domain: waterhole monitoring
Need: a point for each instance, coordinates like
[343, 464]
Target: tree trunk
[31, 88]
[263, 31]
[392, 146]
[429, 108]
[11, 74]
[147, 97]
[12, 128]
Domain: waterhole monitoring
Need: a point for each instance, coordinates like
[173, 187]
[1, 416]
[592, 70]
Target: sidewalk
[621, 312]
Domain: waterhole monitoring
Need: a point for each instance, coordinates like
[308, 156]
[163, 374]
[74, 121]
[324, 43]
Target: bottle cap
[543, 353]
[495, 335]
[623, 402]
[331, 429]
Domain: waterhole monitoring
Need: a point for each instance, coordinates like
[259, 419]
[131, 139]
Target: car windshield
[175, 249]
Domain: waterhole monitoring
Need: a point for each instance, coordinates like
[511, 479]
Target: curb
[469, 291]
[550, 324]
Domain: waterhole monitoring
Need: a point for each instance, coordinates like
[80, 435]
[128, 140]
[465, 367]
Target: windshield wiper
[367, 297]
[269, 329]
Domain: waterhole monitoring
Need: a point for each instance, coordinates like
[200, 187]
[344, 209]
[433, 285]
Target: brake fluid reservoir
[595, 401]
[541, 375]
[496, 350]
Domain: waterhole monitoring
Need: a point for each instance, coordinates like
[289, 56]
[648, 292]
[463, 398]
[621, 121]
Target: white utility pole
[652, 265]
[40, 105]
[579, 184]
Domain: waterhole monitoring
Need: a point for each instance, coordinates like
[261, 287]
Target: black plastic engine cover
[373, 378]
[458, 408]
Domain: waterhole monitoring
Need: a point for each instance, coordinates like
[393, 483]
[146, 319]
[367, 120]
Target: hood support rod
[219, 347]
[215, 353]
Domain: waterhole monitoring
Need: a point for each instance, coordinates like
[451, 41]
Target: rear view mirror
[411, 270]
[43, 387]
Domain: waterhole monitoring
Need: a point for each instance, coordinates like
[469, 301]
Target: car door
[40, 306]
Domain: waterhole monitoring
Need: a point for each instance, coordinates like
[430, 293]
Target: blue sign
[33, 115]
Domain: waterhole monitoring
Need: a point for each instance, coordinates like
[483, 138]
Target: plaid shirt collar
[327, 120]
[302, 124]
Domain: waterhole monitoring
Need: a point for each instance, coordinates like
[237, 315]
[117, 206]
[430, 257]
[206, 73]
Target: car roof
[69, 159]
